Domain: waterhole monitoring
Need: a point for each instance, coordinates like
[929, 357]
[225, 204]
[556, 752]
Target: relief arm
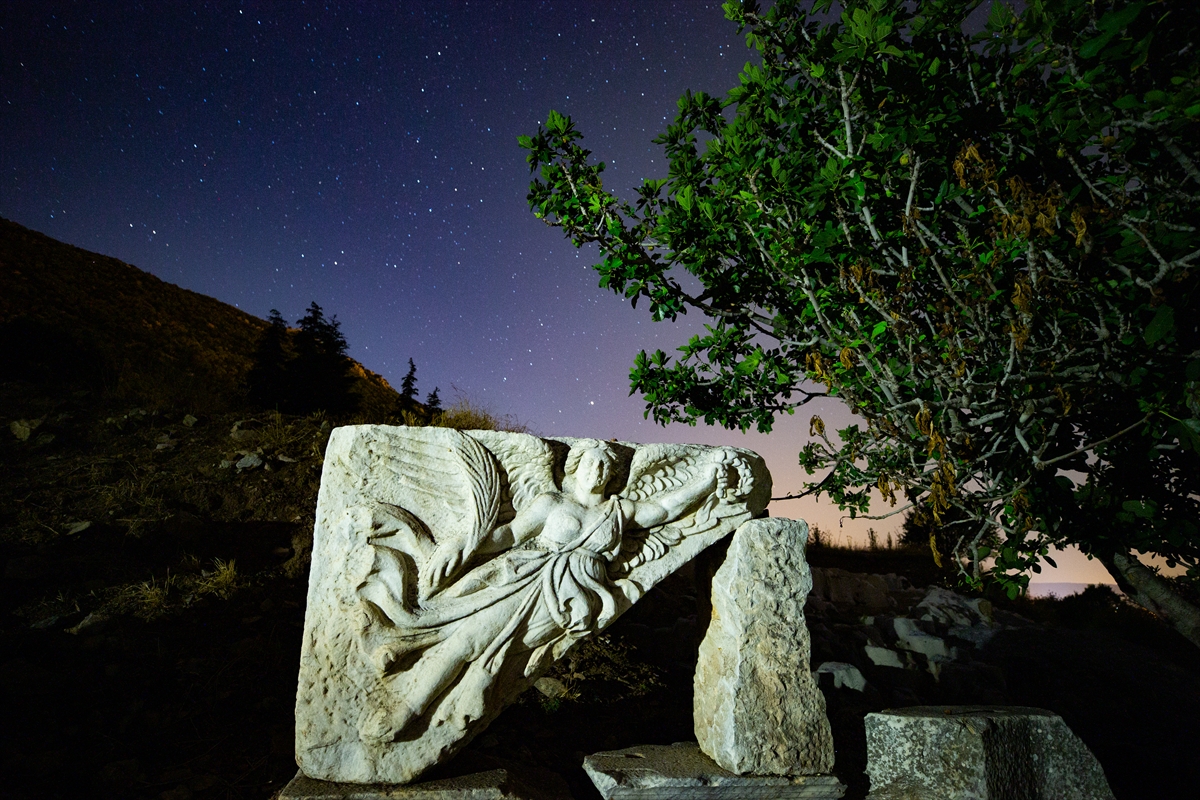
[524, 526]
[670, 506]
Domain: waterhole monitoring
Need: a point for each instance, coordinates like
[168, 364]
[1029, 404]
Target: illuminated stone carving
[450, 569]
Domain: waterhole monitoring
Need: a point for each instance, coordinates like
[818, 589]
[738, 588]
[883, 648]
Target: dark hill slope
[71, 316]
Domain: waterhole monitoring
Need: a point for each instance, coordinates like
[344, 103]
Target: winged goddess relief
[502, 554]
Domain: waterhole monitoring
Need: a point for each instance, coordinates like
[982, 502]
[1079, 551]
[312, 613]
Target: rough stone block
[757, 709]
[979, 753]
[495, 784]
[682, 772]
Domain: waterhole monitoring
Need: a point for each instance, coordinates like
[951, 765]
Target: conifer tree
[268, 378]
[408, 386]
[320, 376]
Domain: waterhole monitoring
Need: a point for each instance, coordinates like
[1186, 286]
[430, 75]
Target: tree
[320, 377]
[408, 386]
[433, 402]
[985, 244]
[268, 377]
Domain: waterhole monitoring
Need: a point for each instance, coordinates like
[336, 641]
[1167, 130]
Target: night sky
[363, 155]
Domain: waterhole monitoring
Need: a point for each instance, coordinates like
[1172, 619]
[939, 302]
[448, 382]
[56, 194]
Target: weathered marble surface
[979, 753]
[757, 709]
[495, 784]
[683, 772]
[450, 569]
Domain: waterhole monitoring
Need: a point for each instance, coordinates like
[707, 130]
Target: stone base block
[682, 772]
[979, 753]
[495, 784]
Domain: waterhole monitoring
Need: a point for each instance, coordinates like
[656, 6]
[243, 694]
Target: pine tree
[432, 401]
[320, 337]
[320, 376]
[268, 378]
[408, 386]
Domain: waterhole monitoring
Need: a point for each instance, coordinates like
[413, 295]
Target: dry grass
[465, 415]
[151, 598]
[222, 581]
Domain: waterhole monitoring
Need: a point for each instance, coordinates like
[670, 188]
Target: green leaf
[1114, 21]
[750, 363]
[999, 16]
[556, 122]
[1141, 508]
[1161, 326]
[879, 328]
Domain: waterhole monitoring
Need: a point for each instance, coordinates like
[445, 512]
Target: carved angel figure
[547, 584]
[476, 559]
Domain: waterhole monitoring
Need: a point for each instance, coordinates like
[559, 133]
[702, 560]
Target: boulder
[756, 707]
[910, 637]
[845, 676]
[968, 619]
[842, 588]
[979, 753]
[883, 656]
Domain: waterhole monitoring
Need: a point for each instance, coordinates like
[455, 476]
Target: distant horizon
[1060, 589]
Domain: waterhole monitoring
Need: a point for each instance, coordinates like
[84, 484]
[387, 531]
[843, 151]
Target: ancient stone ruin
[757, 709]
[450, 569]
[979, 753]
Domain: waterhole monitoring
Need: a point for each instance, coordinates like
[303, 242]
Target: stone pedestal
[757, 709]
[682, 772]
[979, 753]
[495, 784]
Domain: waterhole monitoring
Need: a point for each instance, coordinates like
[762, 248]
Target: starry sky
[363, 155]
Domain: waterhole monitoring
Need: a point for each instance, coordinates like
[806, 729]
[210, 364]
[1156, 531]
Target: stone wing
[527, 468]
[443, 489]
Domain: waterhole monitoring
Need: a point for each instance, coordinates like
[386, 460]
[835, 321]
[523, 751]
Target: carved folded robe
[536, 601]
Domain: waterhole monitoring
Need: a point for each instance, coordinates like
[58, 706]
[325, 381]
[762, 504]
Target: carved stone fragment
[757, 709]
[451, 568]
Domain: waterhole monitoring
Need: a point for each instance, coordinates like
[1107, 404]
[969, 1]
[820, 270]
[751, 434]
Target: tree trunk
[1152, 592]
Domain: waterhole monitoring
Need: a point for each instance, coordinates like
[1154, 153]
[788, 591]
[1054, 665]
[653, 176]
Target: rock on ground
[757, 709]
[682, 772]
[979, 753]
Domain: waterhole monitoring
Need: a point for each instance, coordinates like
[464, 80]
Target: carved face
[592, 472]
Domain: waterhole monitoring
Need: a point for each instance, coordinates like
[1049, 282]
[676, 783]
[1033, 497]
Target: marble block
[450, 569]
[979, 753]
[757, 709]
[683, 772]
[495, 784]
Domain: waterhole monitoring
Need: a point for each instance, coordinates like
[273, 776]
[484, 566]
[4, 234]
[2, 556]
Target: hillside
[69, 315]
